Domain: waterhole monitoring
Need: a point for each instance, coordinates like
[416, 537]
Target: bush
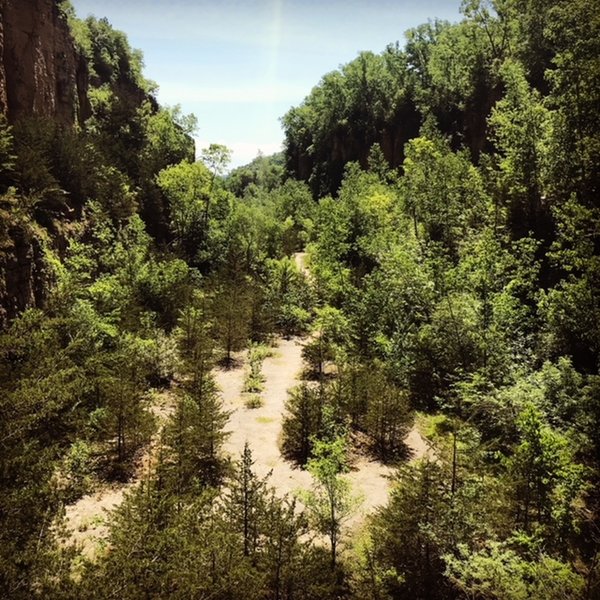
[254, 401]
[303, 422]
[75, 474]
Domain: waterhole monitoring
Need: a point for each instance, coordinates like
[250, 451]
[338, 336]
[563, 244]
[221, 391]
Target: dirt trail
[301, 260]
[261, 428]
[87, 518]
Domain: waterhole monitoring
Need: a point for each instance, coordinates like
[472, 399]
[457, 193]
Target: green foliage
[230, 310]
[263, 173]
[407, 534]
[216, 157]
[386, 418]
[351, 109]
[520, 127]
[330, 332]
[330, 502]
[169, 134]
[443, 192]
[7, 157]
[242, 543]
[111, 57]
[288, 297]
[303, 422]
[253, 401]
[187, 187]
[498, 572]
[194, 437]
[254, 380]
[75, 471]
[455, 271]
[545, 479]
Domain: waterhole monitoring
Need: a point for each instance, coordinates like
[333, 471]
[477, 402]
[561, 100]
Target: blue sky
[239, 65]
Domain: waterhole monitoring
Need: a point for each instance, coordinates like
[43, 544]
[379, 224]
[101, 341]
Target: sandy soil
[301, 259]
[87, 518]
[261, 428]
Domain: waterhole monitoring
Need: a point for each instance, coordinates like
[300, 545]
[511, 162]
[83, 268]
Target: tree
[41, 387]
[169, 139]
[141, 544]
[545, 480]
[443, 192]
[194, 436]
[520, 129]
[387, 416]
[187, 188]
[246, 502]
[230, 311]
[572, 36]
[570, 308]
[331, 331]
[303, 421]
[288, 296]
[286, 558]
[330, 503]
[216, 157]
[195, 433]
[499, 573]
[122, 387]
[196, 346]
[406, 534]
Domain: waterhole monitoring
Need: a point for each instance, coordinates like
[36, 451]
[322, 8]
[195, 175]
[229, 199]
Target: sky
[240, 65]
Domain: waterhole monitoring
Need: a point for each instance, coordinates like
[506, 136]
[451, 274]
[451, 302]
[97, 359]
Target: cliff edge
[41, 73]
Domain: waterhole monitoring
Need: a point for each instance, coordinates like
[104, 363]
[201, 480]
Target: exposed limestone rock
[41, 73]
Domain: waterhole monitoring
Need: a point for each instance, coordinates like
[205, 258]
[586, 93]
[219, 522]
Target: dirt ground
[301, 260]
[87, 518]
[261, 428]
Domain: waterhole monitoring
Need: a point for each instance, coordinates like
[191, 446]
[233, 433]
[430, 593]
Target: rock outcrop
[41, 73]
[24, 283]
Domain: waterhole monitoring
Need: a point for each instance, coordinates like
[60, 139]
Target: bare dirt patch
[301, 260]
[87, 518]
[261, 428]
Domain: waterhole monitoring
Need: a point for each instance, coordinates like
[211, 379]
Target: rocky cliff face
[41, 74]
[24, 278]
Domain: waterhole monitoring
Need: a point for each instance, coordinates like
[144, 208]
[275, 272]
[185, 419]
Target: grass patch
[432, 427]
[264, 419]
[258, 352]
[253, 401]
[254, 382]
